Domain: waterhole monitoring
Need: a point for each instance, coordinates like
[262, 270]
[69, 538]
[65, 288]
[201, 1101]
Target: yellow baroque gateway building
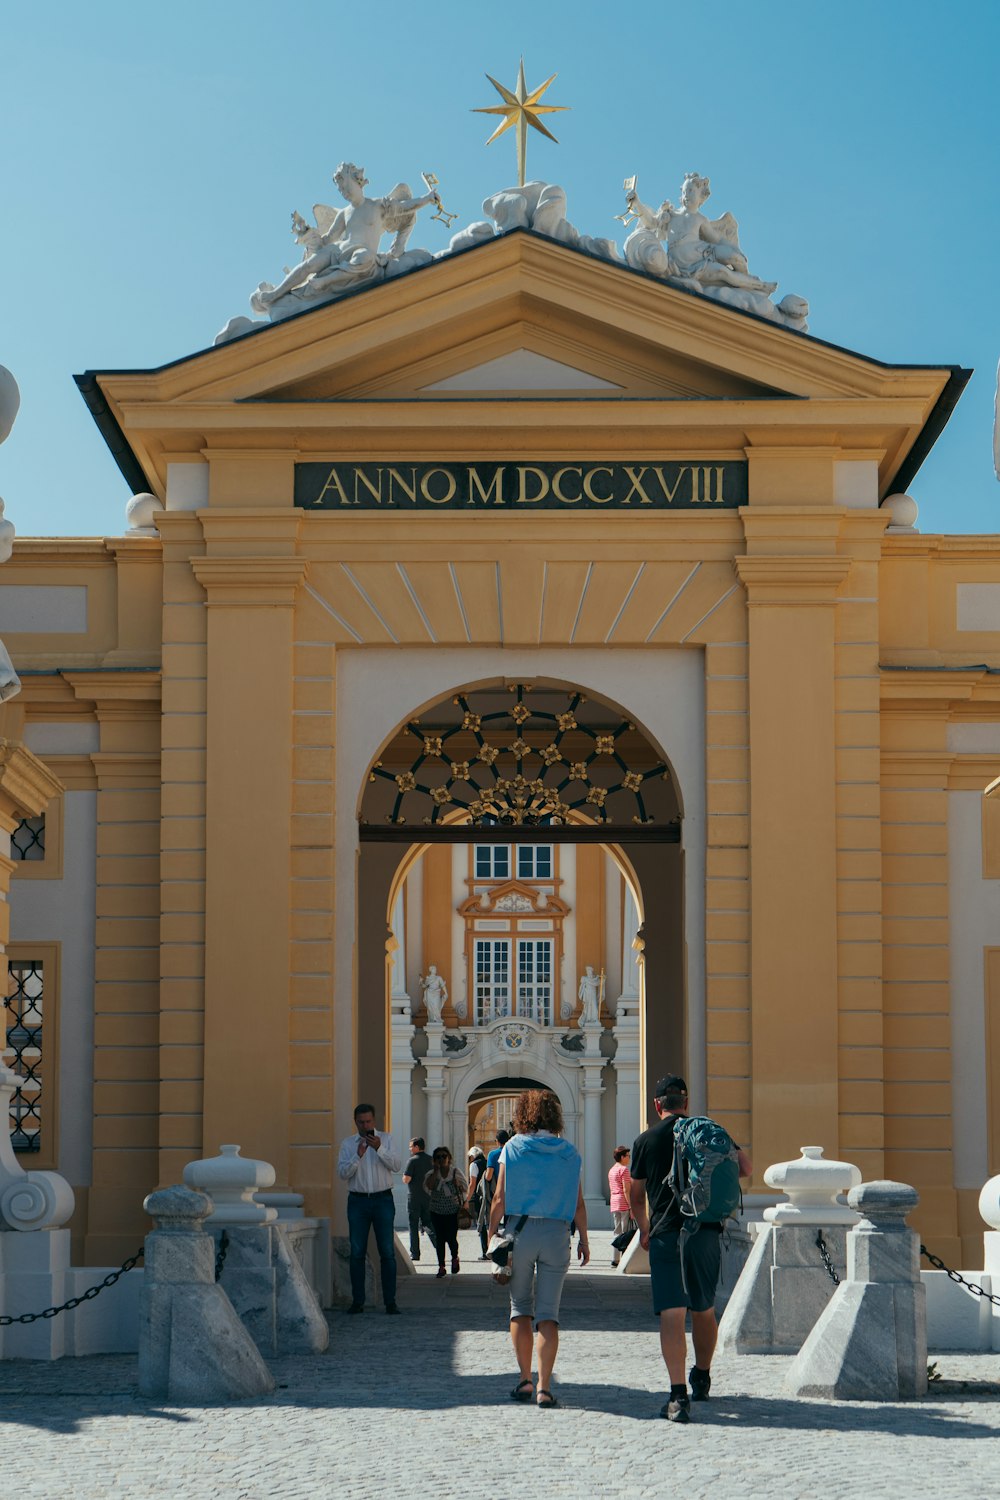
[514, 682]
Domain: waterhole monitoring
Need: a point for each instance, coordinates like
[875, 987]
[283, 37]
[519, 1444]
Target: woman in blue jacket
[539, 1181]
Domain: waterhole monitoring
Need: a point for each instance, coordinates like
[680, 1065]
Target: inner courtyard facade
[761, 849]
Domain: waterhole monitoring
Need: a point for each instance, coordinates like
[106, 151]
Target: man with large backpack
[688, 1171]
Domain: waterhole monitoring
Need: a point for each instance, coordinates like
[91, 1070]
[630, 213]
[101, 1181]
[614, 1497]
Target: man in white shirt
[366, 1163]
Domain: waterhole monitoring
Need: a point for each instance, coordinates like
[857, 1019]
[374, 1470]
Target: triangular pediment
[518, 319]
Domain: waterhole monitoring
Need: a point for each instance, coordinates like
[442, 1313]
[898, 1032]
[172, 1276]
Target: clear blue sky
[152, 155]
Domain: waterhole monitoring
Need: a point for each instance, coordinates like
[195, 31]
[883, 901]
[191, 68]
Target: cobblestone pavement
[417, 1406]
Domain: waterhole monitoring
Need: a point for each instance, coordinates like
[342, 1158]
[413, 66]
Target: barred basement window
[23, 1015]
[28, 839]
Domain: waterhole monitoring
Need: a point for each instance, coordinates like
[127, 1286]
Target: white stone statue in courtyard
[341, 251]
[688, 249]
[435, 993]
[589, 995]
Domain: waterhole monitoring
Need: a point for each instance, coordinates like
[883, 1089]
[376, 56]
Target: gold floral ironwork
[489, 787]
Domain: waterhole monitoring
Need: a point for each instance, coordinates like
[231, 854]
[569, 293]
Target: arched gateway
[519, 465]
[521, 844]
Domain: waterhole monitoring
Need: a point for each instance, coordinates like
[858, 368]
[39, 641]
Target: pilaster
[248, 814]
[792, 847]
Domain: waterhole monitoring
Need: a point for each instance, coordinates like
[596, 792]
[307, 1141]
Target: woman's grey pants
[541, 1260]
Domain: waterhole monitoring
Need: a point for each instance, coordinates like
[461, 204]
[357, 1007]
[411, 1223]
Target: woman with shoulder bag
[446, 1189]
[538, 1185]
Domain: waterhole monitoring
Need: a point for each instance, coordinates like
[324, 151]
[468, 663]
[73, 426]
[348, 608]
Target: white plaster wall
[568, 983]
[978, 606]
[975, 925]
[64, 911]
[974, 739]
[187, 486]
[27, 609]
[63, 739]
[855, 484]
[379, 687]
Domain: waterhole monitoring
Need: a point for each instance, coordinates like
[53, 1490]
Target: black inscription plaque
[520, 486]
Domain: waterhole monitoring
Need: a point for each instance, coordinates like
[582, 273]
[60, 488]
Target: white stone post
[784, 1285]
[193, 1349]
[261, 1274]
[401, 1033]
[870, 1342]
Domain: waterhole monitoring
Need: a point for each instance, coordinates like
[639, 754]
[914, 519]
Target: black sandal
[546, 1405]
[519, 1393]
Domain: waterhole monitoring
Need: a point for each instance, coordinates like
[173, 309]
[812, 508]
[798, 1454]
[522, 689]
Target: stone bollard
[870, 1343]
[261, 1274]
[784, 1285]
[193, 1349]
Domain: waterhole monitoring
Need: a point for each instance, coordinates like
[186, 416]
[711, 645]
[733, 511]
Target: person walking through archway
[677, 1288]
[367, 1161]
[539, 1182]
[446, 1188]
[619, 1182]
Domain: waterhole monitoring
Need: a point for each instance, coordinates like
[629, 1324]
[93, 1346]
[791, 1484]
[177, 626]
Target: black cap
[670, 1083]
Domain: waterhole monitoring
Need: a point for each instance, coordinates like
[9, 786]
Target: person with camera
[367, 1162]
[539, 1187]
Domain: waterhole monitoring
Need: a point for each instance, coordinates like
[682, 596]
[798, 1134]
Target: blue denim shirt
[542, 1174]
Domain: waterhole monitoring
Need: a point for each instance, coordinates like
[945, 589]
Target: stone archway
[385, 1062]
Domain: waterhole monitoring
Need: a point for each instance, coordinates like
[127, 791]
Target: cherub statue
[698, 249]
[435, 993]
[342, 250]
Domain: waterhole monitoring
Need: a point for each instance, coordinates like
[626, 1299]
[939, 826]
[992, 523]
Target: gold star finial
[521, 109]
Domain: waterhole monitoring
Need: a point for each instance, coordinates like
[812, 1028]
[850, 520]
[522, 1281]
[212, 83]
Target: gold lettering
[670, 493]
[557, 485]
[375, 493]
[637, 487]
[701, 487]
[588, 485]
[718, 493]
[425, 486]
[333, 483]
[522, 497]
[495, 489]
[409, 490]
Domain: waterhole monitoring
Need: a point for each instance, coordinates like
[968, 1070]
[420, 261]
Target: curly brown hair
[537, 1109]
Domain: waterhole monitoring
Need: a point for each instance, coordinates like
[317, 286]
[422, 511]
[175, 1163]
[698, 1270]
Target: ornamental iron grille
[28, 839]
[526, 755]
[24, 1039]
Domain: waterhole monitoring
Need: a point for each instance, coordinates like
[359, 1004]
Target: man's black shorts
[702, 1259]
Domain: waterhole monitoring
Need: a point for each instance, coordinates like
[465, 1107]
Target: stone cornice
[118, 694]
[250, 582]
[791, 580]
[27, 785]
[126, 768]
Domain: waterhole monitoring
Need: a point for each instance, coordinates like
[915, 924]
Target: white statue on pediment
[435, 993]
[540, 206]
[343, 250]
[688, 249]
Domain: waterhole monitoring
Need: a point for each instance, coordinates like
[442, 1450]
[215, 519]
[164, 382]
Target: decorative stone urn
[989, 1203]
[231, 1180]
[812, 1184]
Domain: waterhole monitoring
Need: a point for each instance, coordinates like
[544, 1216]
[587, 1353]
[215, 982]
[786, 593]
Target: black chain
[87, 1296]
[825, 1256]
[970, 1286]
[220, 1259]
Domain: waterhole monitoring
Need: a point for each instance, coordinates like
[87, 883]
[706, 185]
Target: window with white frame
[534, 979]
[492, 861]
[534, 861]
[492, 979]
